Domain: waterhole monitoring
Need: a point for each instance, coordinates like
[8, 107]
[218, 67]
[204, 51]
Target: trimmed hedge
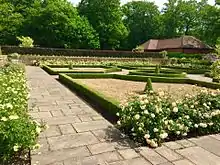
[212, 85]
[177, 68]
[78, 52]
[90, 76]
[51, 71]
[79, 66]
[140, 78]
[157, 74]
[162, 70]
[183, 55]
[207, 74]
[109, 104]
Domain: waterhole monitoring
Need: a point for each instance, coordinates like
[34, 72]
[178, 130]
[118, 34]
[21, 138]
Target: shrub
[26, 41]
[148, 86]
[70, 65]
[14, 56]
[18, 132]
[157, 69]
[155, 117]
[164, 54]
[215, 70]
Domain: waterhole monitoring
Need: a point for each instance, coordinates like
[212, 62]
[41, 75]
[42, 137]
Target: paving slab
[200, 156]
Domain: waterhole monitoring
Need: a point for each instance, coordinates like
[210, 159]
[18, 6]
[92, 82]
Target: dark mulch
[20, 158]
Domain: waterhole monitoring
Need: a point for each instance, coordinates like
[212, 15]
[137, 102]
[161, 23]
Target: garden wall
[78, 52]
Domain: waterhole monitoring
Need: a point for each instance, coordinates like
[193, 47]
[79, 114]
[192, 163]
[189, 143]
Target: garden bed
[56, 69]
[152, 117]
[18, 132]
[80, 69]
[122, 90]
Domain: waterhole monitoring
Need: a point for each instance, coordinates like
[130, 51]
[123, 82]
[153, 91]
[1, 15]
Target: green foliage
[106, 18]
[167, 119]
[164, 54]
[109, 104]
[142, 20]
[18, 132]
[148, 86]
[26, 41]
[157, 69]
[105, 24]
[70, 65]
[10, 23]
[217, 49]
[13, 56]
[149, 73]
[215, 70]
[59, 25]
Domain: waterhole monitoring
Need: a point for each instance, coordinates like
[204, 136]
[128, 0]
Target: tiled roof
[181, 42]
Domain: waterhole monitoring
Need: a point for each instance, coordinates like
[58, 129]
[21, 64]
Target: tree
[170, 19]
[209, 28]
[57, 24]
[106, 18]
[10, 23]
[142, 20]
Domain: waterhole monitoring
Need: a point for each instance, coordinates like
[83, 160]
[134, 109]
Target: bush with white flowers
[154, 117]
[18, 132]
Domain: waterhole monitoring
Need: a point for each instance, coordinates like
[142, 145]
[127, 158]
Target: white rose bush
[154, 117]
[18, 132]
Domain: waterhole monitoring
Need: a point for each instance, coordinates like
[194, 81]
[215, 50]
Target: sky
[157, 2]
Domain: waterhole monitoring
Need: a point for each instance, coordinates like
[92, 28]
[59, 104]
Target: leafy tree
[10, 23]
[209, 28]
[142, 20]
[170, 19]
[58, 24]
[26, 41]
[106, 18]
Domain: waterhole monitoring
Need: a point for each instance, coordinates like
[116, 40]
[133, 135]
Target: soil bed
[122, 90]
[79, 69]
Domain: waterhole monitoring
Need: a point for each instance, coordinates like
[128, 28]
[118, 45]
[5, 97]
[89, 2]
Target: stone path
[78, 135]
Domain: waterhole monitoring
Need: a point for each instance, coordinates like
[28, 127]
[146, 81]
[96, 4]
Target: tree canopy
[106, 24]
[106, 18]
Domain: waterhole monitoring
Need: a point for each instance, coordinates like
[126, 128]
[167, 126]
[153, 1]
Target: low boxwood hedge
[78, 66]
[143, 78]
[207, 74]
[109, 104]
[212, 85]
[52, 71]
[168, 69]
[158, 74]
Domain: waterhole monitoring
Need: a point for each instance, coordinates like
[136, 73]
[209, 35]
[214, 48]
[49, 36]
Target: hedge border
[142, 78]
[51, 71]
[109, 104]
[78, 52]
[177, 68]
[182, 75]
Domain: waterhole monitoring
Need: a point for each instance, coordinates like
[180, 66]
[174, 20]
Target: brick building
[185, 44]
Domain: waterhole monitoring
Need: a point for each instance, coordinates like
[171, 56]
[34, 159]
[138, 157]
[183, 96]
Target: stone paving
[78, 135]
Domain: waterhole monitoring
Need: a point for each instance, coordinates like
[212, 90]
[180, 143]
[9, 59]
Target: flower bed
[53, 70]
[18, 132]
[153, 118]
